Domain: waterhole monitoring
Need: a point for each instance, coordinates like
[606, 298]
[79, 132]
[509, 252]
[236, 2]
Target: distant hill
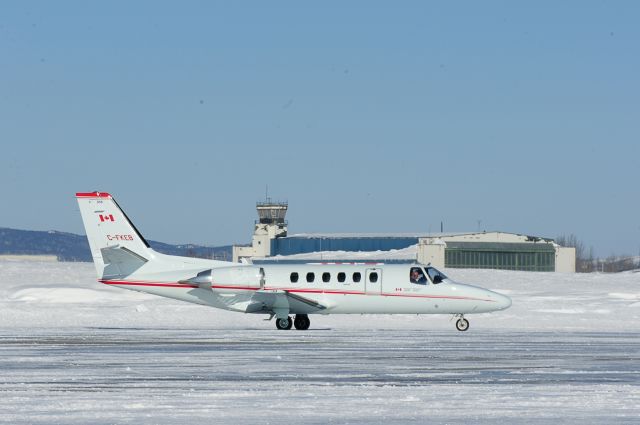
[72, 247]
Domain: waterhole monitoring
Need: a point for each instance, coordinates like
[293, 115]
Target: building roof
[400, 235]
[376, 235]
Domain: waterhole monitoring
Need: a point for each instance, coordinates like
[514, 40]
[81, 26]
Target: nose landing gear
[462, 324]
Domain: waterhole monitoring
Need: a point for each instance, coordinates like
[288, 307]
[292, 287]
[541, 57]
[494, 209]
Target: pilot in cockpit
[416, 276]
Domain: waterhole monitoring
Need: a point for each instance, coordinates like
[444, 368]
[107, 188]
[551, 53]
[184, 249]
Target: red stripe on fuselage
[294, 290]
[243, 288]
[162, 285]
[448, 297]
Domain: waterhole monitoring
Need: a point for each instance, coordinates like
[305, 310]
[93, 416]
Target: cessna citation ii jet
[123, 258]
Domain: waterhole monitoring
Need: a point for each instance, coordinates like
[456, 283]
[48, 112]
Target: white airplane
[123, 258]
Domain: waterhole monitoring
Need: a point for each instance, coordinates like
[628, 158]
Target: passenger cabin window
[373, 277]
[342, 277]
[294, 277]
[435, 275]
[416, 275]
[326, 277]
[356, 277]
[310, 277]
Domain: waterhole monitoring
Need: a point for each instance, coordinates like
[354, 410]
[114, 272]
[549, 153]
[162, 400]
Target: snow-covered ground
[43, 295]
[75, 351]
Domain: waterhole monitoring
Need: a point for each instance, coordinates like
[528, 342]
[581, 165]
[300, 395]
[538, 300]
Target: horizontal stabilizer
[120, 262]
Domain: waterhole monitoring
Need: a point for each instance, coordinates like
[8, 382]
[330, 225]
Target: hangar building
[478, 250]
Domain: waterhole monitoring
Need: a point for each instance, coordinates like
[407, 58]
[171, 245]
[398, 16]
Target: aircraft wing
[285, 300]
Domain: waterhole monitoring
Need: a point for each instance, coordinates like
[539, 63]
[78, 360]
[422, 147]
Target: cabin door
[373, 281]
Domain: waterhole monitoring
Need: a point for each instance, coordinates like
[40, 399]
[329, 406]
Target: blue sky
[365, 116]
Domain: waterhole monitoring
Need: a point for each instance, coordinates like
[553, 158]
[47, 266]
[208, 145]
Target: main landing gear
[301, 322]
[462, 324]
[283, 324]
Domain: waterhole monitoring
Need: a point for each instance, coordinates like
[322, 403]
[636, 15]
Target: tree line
[587, 262]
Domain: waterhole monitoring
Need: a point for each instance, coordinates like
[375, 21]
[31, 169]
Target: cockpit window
[435, 275]
[416, 275]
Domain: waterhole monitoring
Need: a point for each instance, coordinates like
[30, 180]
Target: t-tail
[118, 249]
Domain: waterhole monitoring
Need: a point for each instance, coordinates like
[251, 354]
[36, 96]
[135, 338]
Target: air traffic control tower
[271, 224]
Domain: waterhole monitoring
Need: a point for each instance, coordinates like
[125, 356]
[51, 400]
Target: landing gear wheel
[462, 324]
[302, 322]
[284, 324]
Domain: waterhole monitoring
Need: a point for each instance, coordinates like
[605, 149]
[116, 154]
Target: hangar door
[538, 257]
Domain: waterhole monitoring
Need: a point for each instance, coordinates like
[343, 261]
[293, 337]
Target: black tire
[462, 325]
[284, 324]
[302, 322]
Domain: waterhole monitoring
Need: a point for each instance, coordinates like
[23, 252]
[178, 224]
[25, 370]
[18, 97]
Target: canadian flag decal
[106, 217]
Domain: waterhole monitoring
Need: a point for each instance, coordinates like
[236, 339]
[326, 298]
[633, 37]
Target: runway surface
[249, 376]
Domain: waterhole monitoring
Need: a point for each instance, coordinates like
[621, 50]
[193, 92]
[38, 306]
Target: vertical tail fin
[117, 247]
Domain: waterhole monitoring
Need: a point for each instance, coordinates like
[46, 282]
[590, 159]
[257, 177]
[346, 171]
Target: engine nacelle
[229, 279]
